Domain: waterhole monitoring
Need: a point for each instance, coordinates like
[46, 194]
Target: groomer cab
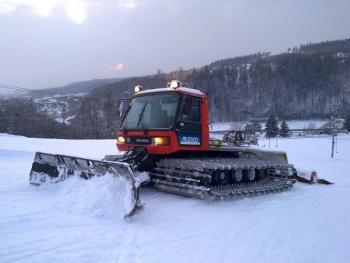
[165, 120]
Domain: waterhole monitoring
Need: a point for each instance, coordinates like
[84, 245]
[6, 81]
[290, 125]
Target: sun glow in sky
[118, 67]
[75, 10]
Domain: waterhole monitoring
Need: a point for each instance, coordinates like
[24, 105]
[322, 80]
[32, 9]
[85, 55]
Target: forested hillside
[307, 82]
[21, 117]
[310, 81]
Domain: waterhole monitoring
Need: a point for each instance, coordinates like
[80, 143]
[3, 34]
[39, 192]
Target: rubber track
[193, 177]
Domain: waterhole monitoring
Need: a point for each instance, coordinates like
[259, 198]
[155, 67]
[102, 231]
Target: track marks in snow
[29, 255]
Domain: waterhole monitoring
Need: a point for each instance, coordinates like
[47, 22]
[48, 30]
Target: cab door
[189, 126]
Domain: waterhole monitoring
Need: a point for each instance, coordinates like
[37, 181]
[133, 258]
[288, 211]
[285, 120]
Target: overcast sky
[46, 43]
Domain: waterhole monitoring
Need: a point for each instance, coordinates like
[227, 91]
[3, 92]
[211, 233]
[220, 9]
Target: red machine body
[182, 135]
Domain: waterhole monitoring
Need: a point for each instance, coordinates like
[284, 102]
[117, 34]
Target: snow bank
[306, 124]
[293, 124]
[106, 196]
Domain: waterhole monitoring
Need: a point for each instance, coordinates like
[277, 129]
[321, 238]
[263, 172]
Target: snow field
[293, 124]
[74, 221]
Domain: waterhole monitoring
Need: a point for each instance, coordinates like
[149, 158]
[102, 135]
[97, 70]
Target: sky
[49, 43]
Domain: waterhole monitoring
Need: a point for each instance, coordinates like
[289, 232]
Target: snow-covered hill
[58, 223]
[61, 108]
[74, 88]
[7, 91]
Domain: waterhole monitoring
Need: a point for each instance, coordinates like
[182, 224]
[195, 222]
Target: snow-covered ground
[76, 221]
[293, 124]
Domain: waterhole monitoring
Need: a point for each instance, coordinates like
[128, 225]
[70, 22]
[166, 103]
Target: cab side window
[190, 117]
[191, 110]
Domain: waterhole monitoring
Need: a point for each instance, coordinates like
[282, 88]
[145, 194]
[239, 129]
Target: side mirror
[122, 106]
[180, 126]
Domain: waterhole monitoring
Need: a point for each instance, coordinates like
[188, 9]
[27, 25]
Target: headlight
[138, 88]
[120, 140]
[161, 141]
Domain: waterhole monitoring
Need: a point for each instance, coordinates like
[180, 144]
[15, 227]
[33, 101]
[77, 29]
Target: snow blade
[54, 168]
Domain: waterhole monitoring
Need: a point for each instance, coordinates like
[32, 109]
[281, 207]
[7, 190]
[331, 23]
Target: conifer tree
[347, 123]
[253, 127]
[284, 131]
[271, 127]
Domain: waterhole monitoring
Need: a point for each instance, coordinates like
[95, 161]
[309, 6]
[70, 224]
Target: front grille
[138, 140]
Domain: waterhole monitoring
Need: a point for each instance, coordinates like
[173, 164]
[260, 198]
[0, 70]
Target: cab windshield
[151, 112]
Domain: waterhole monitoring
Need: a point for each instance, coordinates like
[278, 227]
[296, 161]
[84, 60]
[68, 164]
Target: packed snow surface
[292, 124]
[79, 221]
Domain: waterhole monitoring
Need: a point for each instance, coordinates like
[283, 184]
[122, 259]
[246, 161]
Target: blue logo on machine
[185, 139]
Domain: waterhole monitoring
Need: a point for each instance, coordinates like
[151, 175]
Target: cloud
[42, 7]
[75, 10]
[38, 7]
[131, 4]
[5, 7]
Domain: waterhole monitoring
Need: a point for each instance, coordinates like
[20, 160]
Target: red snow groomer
[165, 132]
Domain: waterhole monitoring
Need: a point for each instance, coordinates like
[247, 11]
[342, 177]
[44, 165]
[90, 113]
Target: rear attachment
[54, 168]
[313, 178]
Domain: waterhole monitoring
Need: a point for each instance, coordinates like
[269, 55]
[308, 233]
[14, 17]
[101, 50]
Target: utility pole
[333, 143]
[334, 114]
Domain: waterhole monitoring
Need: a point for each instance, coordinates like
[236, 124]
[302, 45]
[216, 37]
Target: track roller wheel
[221, 177]
[251, 175]
[237, 176]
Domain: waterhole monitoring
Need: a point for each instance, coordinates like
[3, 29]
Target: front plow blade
[54, 168]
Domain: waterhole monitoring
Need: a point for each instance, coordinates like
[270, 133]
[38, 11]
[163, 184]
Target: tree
[271, 127]
[347, 123]
[284, 131]
[253, 127]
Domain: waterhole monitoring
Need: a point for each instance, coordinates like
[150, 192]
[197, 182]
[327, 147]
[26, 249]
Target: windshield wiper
[141, 114]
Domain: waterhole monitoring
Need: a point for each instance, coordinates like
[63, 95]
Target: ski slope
[292, 124]
[79, 221]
